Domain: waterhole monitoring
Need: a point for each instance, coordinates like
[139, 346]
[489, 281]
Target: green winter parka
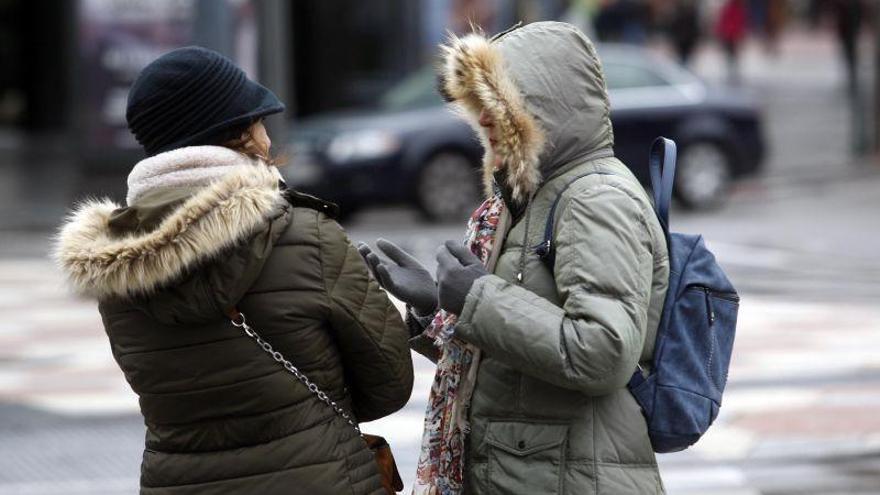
[222, 417]
[550, 412]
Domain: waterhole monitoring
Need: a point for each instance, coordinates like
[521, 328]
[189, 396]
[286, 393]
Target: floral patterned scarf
[441, 461]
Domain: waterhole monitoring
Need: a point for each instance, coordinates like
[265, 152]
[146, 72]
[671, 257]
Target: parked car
[411, 148]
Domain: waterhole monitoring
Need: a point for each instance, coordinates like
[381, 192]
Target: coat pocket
[526, 457]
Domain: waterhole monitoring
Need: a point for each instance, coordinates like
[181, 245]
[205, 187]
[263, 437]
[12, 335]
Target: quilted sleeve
[368, 329]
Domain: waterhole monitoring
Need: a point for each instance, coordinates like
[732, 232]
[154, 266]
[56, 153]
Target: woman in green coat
[209, 229]
[534, 353]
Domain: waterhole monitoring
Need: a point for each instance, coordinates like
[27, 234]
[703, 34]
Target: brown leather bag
[385, 461]
[378, 445]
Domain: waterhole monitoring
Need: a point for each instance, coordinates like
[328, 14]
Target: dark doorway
[346, 52]
[35, 61]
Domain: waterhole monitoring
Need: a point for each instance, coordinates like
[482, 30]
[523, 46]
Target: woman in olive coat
[209, 229]
[534, 351]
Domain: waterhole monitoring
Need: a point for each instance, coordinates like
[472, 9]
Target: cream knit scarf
[192, 166]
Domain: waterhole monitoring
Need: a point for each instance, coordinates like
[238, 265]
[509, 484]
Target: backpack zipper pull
[709, 309]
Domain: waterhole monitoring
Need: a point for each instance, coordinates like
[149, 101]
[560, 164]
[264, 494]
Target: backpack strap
[547, 250]
[662, 164]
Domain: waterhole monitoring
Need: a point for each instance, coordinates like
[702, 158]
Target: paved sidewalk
[804, 385]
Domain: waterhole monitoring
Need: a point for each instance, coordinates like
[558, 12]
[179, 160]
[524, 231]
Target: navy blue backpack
[681, 395]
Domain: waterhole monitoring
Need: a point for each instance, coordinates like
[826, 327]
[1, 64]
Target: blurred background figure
[766, 20]
[758, 15]
[731, 29]
[846, 19]
[582, 13]
[777, 16]
[623, 21]
[685, 28]
[848, 15]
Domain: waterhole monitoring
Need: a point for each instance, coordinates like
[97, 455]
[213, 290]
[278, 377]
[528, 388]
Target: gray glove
[403, 276]
[457, 270]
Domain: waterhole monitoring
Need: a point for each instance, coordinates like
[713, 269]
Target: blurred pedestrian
[777, 16]
[848, 23]
[582, 13]
[622, 21]
[731, 30]
[210, 237]
[684, 28]
[534, 347]
[757, 12]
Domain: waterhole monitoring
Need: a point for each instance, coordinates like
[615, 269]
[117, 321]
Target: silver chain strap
[279, 358]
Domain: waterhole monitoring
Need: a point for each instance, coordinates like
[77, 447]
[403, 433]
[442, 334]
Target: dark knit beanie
[194, 96]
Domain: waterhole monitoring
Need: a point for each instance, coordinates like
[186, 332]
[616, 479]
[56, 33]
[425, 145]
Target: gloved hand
[403, 276]
[457, 270]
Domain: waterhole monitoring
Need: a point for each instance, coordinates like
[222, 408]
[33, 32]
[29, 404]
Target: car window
[626, 76]
[418, 90]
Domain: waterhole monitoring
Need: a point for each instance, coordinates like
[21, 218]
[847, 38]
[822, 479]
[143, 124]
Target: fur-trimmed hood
[99, 263]
[543, 86]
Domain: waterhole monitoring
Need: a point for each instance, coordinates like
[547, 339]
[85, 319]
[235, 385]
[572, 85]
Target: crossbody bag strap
[238, 319]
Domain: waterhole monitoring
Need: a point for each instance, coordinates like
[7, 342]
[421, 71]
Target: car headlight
[362, 145]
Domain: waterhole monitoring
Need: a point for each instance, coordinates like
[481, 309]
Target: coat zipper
[525, 242]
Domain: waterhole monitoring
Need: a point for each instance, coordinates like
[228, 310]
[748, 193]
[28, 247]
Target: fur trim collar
[100, 265]
[474, 78]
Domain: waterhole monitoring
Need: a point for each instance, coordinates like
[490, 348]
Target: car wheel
[702, 176]
[448, 187]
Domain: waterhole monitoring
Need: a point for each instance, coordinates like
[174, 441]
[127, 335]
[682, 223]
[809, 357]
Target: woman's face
[489, 128]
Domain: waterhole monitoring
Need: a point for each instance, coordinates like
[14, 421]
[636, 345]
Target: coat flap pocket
[523, 439]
